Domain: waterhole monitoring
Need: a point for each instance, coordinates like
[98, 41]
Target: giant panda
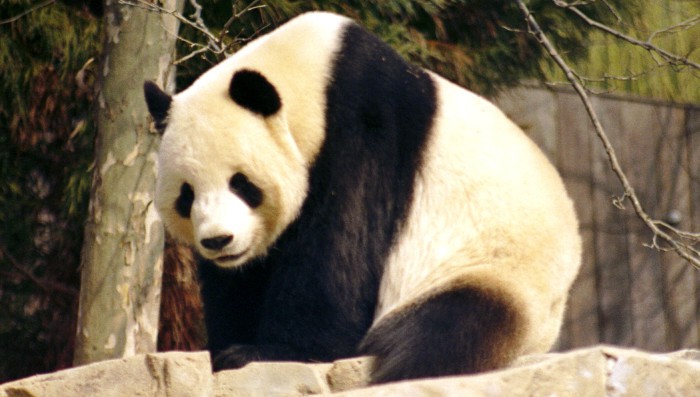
[345, 202]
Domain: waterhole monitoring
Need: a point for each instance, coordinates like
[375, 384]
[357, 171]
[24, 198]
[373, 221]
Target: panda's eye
[183, 204]
[246, 190]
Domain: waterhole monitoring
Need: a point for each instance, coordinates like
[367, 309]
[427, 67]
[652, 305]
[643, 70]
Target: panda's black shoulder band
[251, 90]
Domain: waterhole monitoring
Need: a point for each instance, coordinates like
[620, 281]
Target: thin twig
[215, 44]
[679, 241]
[685, 25]
[199, 24]
[156, 8]
[253, 5]
[48, 286]
[647, 45]
[27, 12]
[191, 55]
[613, 11]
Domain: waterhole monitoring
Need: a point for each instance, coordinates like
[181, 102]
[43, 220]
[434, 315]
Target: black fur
[246, 190]
[232, 302]
[216, 243]
[183, 203]
[459, 331]
[251, 90]
[158, 103]
[313, 297]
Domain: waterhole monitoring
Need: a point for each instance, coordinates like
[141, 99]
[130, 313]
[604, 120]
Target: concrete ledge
[595, 371]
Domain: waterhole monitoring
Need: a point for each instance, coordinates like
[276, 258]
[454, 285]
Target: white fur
[222, 213]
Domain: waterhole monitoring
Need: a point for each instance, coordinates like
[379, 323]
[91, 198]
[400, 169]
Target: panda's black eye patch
[246, 190]
[183, 204]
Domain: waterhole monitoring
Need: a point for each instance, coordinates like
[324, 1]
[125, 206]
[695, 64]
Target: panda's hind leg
[459, 330]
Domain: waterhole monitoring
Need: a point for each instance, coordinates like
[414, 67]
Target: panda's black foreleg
[458, 331]
[232, 304]
[300, 312]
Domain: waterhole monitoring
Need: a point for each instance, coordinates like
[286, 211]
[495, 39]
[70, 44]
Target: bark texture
[122, 253]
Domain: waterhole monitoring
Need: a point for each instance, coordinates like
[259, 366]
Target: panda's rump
[489, 215]
[457, 329]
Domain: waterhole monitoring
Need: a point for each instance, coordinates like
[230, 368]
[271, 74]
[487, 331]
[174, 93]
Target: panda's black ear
[251, 90]
[158, 104]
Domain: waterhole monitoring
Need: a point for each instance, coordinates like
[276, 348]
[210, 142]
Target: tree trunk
[122, 252]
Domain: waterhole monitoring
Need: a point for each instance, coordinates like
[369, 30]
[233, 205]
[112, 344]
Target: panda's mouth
[230, 258]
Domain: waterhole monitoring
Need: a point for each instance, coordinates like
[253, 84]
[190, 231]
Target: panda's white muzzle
[224, 227]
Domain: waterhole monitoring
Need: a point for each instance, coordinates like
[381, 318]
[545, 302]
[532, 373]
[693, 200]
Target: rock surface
[596, 371]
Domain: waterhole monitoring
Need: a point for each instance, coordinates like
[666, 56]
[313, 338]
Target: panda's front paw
[237, 356]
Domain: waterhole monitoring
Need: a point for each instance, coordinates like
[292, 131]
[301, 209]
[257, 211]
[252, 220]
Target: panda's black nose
[216, 243]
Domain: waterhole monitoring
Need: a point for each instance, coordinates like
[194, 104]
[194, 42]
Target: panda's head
[230, 176]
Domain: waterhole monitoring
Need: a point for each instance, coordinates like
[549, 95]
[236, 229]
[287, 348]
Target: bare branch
[683, 243]
[237, 14]
[667, 56]
[605, 78]
[192, 54]
[156, 8]
[685, 25]
[27, 12]
[613, 11]
[215, 43]
[48, 286]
